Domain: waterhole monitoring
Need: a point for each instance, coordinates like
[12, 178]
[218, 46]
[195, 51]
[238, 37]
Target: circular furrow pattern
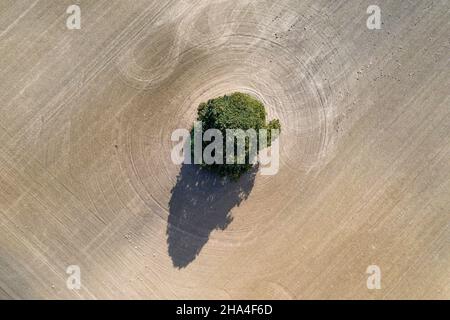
[289, 58]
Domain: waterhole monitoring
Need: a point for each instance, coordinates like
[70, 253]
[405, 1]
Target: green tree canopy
[235, 111]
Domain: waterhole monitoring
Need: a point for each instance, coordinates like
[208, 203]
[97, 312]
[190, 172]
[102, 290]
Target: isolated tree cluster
[235, 111]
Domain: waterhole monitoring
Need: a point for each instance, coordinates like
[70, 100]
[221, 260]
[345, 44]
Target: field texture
[86, 176]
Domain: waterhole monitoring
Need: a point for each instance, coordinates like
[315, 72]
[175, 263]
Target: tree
[235, 111]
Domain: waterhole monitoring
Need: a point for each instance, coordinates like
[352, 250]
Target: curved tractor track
[86, 177]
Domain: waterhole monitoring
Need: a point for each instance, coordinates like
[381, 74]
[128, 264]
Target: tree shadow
[201, 202]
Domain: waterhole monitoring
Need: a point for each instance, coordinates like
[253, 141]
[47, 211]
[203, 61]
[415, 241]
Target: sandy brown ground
[85, 171]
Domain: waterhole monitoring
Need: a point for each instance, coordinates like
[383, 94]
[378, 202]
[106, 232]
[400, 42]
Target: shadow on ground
[201, 202]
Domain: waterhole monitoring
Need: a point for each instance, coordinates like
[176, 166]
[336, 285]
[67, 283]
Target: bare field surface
[85, 171]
